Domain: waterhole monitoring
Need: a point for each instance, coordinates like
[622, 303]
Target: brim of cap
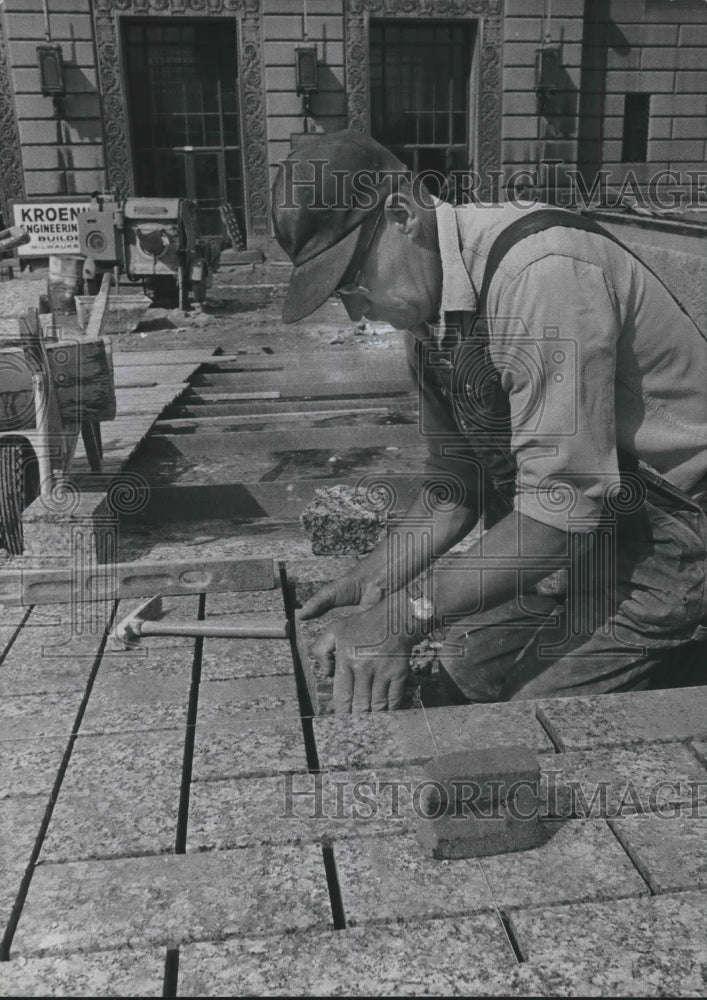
[313, 282]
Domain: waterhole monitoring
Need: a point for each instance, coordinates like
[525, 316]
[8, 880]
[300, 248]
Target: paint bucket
[65, 282]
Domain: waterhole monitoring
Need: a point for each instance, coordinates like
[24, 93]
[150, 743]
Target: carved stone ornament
[107, 14]
[12, 182]
[490, 16]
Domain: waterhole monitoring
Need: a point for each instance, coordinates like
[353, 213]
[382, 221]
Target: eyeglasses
[354, 287]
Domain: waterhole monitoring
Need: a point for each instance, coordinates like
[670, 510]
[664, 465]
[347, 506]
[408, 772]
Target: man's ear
[401, 209]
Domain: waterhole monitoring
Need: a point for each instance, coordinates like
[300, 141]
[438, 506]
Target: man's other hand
[339, 594]
[370, 665]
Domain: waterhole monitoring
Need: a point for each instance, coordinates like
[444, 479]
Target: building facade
[200, 98]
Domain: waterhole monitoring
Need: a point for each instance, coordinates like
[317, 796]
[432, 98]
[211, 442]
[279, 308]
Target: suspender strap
[536, 222]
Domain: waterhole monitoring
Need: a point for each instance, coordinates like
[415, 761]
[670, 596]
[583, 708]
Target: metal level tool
[143, 621]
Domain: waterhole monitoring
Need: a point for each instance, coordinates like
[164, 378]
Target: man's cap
[324, 191]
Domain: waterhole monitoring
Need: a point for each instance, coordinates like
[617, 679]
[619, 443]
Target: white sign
[53, 226]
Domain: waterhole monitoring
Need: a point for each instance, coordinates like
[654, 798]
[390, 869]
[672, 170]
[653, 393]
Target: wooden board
[137, 579]
[329, 438]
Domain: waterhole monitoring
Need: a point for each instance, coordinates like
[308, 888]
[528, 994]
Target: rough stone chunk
[343, 519]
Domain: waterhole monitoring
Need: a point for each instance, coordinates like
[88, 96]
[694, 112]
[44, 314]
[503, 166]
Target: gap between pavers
[636, 717]
[20, 821]
[462, 957]
[128, 972]
[168, 900]
[652, 946]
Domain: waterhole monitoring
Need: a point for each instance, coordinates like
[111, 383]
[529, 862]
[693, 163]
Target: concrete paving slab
[471, 727]
[670, 853]
[382, 739]
[616, 782]
[20, 820]
[582, 861]
[30, 767]
[35, 716]
[221, 700]
[128, 972]
[388, 879]
[119, 797]
[462, 957]
[48, 660]
[248, 747]
[636, 717]
[650, 946]
[301, 807]
[224, 659]
[151, 901]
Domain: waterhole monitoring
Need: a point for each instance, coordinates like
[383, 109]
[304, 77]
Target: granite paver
[220, 700]
[259, 744]
[48, 660]
[300, 807]
[469, 956]
[36, 716]
[615, 782]
[150, 901]
[245, 601]
[581, 861]
[126, 972]
[140, 689]
[226, 659]
[119, 797]
[652, 946]
[29, 767]
[389, 879]
[376, 739]
[636, 717]
[470, 727]
[670, 852]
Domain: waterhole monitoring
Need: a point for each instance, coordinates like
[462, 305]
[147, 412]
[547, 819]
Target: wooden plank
[208, 422]
[99, 311]
[300, 439]
[185, 408]
[137, 579]
[134, 376]
[369, 389]
[149, 359]
[329, 368]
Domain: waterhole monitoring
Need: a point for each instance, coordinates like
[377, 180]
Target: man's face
[400, 281]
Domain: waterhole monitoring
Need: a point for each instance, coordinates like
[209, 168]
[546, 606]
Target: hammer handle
[242, 631]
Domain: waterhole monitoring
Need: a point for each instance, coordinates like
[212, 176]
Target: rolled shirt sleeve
[553, 340]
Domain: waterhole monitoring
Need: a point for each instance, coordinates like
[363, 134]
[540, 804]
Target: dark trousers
[632, 617]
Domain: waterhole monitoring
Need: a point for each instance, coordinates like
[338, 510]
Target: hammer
[142, 622]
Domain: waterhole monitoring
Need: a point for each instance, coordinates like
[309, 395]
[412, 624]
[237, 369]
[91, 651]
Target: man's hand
[369, 664]
[339, 593]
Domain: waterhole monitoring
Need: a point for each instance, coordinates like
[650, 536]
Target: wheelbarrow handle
[13, 237]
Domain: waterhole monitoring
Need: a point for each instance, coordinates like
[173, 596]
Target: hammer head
[128, 631]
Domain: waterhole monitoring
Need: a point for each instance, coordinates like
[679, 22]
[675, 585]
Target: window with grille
[420, 80]
[182, 82]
